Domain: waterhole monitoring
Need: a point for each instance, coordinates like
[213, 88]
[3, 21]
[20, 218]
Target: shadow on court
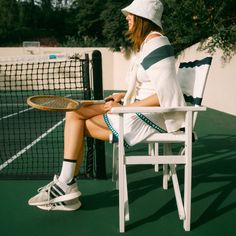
[152, 210]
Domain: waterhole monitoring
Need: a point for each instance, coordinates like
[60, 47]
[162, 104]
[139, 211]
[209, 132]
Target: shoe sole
[73, 207]
[63, 198]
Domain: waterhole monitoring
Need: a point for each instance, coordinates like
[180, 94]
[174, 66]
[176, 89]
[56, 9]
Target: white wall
[220, 88]
[19, 52]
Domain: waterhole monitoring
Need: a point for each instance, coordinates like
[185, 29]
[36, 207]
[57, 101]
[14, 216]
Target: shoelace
[51, 206]
[47, 188]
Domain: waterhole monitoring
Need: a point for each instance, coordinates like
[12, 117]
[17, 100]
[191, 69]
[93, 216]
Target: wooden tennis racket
[59, 103]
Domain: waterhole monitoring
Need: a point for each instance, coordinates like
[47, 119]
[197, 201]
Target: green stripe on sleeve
[157, 55]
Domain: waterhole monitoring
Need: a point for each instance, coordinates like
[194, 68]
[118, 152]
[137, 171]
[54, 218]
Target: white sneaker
[71, 205]
[55, 192]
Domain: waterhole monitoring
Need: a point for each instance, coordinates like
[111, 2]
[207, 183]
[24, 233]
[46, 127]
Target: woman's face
[130, 21]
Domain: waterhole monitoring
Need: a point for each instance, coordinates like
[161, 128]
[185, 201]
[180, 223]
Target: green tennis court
[32, 140]
[153, 210]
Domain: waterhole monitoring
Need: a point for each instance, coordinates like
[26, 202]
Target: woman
[151, 82]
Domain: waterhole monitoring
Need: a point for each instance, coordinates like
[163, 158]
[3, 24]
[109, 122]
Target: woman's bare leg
[88, 121]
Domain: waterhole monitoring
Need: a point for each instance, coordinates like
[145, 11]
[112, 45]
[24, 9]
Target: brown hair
[141, 28]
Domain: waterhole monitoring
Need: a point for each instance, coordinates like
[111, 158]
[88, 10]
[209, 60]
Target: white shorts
[137, 127]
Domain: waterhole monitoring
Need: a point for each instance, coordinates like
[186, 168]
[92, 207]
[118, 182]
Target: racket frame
[76, 104]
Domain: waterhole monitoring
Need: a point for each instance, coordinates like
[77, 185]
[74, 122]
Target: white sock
[67, 171]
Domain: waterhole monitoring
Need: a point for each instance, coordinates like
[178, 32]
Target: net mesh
[32, 140]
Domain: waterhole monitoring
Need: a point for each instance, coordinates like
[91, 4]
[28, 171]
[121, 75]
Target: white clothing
[153, 71]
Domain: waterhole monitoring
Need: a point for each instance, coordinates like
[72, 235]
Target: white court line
[16, 113]
[13, 104]
[19, 112]
[10, 160]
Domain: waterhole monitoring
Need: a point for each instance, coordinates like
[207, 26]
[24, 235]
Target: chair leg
[187, 200]
[187, 195]
[150, 149]
[121, 199]
[126, 200]
[156, 153]
[116, 179]
[166, 174]
[153, 151]
[188, 174]
[115, 165]
[178, 196]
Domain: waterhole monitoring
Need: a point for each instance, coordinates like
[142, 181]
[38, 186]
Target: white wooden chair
[192, 77]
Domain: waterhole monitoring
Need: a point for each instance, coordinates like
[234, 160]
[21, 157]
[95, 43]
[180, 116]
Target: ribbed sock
[67, 171]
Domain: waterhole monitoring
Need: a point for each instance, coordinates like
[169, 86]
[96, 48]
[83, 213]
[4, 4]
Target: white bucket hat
[149, 9]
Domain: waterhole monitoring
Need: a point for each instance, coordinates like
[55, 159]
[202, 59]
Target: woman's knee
[71, 116]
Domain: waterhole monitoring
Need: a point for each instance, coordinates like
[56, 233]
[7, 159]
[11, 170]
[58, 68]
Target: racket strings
[55, 103]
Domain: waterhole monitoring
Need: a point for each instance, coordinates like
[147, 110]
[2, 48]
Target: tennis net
[31, 140]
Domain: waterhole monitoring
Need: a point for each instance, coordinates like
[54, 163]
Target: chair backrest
[192, 77]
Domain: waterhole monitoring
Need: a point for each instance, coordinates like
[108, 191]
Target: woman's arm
[149, 101]
[116, 97]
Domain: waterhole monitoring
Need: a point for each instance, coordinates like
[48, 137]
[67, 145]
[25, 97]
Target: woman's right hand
[116, 97]
[110, 104]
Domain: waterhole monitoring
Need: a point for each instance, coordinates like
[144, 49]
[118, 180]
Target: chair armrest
[120, 110]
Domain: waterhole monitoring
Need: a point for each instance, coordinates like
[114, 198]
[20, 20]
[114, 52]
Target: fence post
[98, 95]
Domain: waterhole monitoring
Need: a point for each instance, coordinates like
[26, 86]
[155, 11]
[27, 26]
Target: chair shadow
[214, 161]
[215, 164]
[218, 152]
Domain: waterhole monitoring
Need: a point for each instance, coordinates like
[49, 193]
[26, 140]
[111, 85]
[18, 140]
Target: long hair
[141, 28]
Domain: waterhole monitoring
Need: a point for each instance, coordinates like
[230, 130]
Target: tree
[114, 25]
[87, 23]
[101, 23]
[188, 22]
[8, 19]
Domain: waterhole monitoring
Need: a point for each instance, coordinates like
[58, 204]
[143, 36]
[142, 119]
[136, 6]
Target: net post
[98, 94]
[90, 141]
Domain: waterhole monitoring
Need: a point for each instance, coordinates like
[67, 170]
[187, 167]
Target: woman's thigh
[96, 127]
[86, 112]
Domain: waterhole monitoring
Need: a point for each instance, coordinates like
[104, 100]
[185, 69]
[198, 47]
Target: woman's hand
[111, 104]
[116, 97]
